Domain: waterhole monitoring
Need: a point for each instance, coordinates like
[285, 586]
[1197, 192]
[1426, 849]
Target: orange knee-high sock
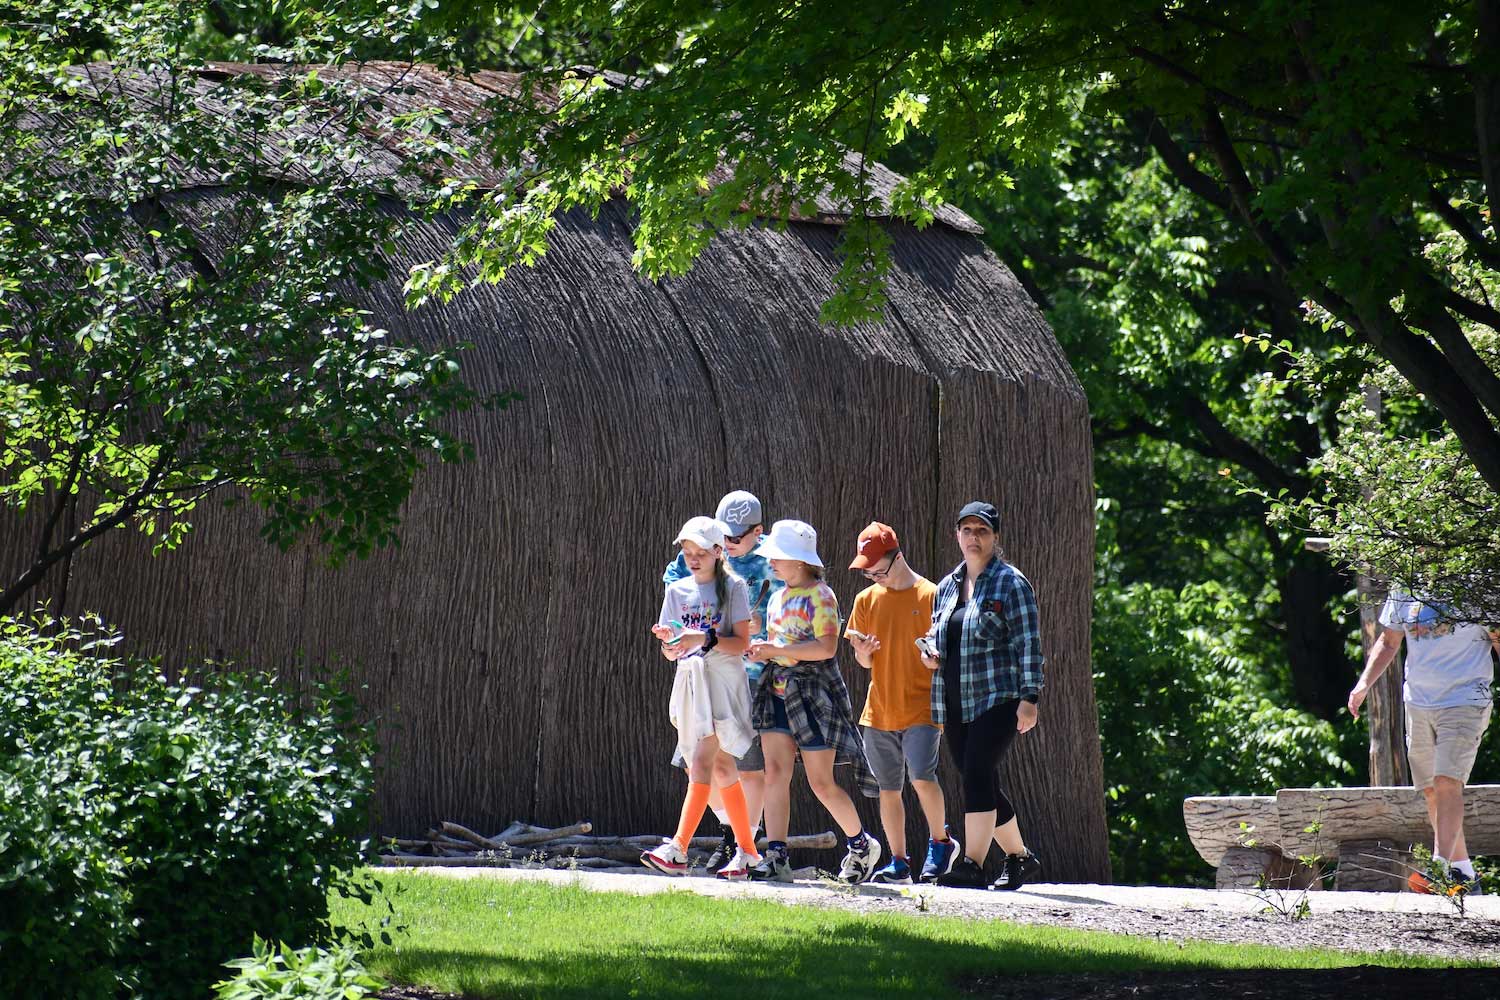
[692, 812]
[739, 818]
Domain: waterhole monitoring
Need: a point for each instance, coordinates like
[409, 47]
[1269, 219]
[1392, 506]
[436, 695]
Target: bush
[1182, 713]
[167, 825]
[62, 904]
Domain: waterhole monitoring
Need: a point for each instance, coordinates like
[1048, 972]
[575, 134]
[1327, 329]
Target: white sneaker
[859, 867]
[667, 858]
[739, 866]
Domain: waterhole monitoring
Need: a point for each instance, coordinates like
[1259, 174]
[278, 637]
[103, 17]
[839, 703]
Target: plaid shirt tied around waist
[815, 689]
[1000, 652]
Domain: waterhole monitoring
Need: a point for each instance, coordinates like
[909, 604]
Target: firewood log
[542, 836]
[465, 833]
[416, 861]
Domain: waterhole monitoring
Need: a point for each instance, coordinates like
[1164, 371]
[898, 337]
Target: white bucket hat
[702, 531]
[792, 540]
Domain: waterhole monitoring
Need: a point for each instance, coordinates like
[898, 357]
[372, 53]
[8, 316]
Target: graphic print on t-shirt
[692, 605]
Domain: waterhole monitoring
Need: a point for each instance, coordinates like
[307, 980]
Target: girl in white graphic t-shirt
[704, 627]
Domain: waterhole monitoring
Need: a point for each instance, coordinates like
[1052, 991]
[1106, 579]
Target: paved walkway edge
[1040, 896]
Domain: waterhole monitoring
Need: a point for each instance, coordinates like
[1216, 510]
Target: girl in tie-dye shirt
[802, 705]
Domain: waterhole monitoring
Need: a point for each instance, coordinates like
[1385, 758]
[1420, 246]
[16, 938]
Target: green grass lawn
[491, 939]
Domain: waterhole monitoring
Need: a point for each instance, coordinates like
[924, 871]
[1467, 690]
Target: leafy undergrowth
[491, 939]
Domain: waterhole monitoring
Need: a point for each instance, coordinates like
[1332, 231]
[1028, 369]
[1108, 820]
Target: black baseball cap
[984, 511]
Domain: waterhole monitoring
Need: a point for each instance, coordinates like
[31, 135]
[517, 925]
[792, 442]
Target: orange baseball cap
[875, 543]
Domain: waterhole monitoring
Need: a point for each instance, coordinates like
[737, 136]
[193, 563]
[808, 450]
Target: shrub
[62, 897]
[202, 816]
[314, 973]
[1182, 713]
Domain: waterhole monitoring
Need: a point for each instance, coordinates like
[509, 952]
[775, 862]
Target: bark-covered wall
[504, 646]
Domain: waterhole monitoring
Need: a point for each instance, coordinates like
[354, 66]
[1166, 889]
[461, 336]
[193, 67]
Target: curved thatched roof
[504, 644]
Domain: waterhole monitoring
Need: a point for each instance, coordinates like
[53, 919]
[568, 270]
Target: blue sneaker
[940, 857]
[896, 872]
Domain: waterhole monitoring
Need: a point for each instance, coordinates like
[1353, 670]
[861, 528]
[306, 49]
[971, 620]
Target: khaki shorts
[1444, 741]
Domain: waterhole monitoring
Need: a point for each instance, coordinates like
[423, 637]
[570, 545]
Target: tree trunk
[1310, 589]
[1384, 708]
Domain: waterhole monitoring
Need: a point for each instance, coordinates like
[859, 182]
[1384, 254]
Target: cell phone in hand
[853, 633]
[925, 645]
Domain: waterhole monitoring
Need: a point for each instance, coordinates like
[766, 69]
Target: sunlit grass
[492, 939]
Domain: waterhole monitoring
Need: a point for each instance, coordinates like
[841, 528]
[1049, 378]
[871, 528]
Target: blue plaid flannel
[1001, 642]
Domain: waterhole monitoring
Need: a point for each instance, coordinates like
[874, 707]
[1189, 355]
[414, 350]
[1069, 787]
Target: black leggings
[977, 748]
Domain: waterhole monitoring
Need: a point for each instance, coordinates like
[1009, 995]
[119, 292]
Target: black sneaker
[1019, 870]
[775, 866]
[724, 853]
[965, 874]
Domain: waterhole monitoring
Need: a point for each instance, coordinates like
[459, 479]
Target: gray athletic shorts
[893, 754]
[1444, 741]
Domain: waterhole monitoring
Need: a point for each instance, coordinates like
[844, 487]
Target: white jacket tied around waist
[710, 697]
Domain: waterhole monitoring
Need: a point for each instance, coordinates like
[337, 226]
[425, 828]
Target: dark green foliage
[167, 825]
[62, 906]
[1182, 713]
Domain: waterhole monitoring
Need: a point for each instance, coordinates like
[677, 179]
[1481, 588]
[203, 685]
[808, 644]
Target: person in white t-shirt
[704, 627]
[1448, 696]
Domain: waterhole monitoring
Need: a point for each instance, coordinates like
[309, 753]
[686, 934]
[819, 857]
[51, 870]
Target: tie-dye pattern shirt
[798, 614]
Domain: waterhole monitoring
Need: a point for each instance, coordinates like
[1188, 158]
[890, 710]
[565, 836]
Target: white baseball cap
[792, 540]
[702, 531]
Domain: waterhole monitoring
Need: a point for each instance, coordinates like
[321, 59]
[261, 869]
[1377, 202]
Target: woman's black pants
[977, 747]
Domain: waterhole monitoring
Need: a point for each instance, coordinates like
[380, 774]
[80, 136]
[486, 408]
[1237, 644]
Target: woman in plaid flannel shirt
[985, 648]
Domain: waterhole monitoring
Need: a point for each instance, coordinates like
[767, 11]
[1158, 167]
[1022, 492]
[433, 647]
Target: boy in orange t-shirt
[900, 739]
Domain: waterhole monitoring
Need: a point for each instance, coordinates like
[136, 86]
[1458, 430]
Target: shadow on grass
[840, 960]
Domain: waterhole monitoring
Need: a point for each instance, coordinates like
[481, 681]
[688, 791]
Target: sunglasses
[736, 539]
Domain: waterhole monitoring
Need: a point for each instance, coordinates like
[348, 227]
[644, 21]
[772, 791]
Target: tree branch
[1479, 312]
[77, 540]
[1222, 96]
[1486, 69]
[1224, 443]
[1485, 250]
[1213, 441]
[1240, 188]
[1155, 132]
[1429, 315]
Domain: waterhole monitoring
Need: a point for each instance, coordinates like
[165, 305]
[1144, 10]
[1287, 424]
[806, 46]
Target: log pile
[522, 845]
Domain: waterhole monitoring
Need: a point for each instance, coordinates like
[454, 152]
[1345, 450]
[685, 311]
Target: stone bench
[1368, 831]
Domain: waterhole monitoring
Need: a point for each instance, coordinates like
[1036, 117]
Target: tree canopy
[1321, 150]
[172, 257]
